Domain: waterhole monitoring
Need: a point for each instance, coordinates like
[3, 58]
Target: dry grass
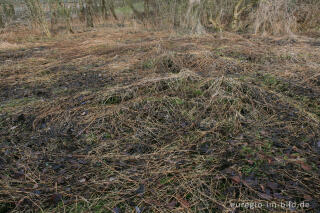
[275, 17]
[127, 120]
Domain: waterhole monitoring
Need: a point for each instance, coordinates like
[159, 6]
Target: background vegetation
[258, 16]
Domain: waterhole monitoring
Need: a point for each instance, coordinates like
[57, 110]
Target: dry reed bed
[159, 124]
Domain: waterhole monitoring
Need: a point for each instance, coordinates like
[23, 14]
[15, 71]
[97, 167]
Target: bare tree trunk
[82, 11]
[2, 25]
[135, 11]
[12, 11]
[104, 9]
[216, 23]
[53, 5]
[1, 21]
[193, 15]
[89, 13]
[67, 15]
[107, 5]
[238, 10]
[146, 8]
[7, 12]
[176, 15]
[113, 12]
[37, 15]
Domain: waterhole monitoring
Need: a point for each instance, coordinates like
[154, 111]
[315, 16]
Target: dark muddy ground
[123, 120]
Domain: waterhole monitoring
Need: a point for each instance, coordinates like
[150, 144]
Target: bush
[275, 17]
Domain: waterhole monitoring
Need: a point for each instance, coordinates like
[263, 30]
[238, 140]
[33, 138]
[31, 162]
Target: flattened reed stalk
[163, 140]
[37, 15]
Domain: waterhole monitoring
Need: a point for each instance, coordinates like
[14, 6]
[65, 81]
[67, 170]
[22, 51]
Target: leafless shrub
[308, 15]
[60, 12]
[276, 17]
[1, 19]
[7, 13]
[37, 15]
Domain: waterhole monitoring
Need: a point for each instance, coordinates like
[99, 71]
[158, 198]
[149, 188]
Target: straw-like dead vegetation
[159, 106]
[276, 17]
[123, 120]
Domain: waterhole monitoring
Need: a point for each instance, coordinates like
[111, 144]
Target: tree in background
[2, 25]
[260, 16]
[7, 12]
[59, 10]
[137, 14]
[193, 16]
[89, 13]
[106, 6]
[37, 15]
[275, 17]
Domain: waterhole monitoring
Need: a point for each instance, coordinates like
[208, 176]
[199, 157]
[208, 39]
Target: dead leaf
[262, 132]
[272, 185]
[116, 210]
[35, 186]
[250, 162]
[138, 210]
[14, 127]
[236, 179]
[140, 190]
[305, 167]
[307, 197]
[56, 198]
[265, 196]
[172, 204]
[183, 202]
[270, 160]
